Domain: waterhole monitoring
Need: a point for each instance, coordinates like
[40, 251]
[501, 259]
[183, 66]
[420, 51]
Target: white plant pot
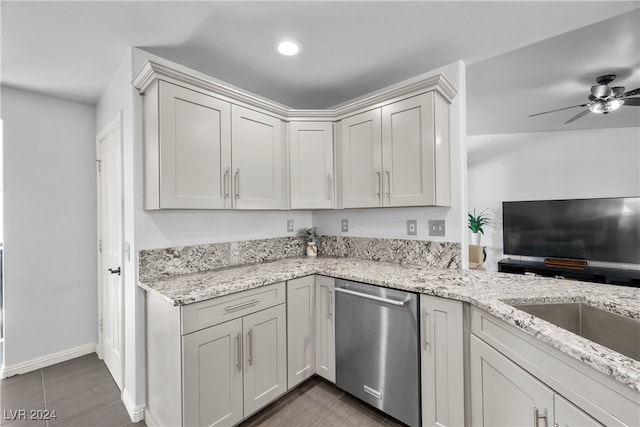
[475, 239]
[312, 249]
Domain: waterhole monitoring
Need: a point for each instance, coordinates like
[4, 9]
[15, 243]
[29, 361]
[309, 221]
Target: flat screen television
[606, 230]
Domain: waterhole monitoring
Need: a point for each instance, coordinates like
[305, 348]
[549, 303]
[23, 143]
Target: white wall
[50, 279]
[391, 222]
[549, 165]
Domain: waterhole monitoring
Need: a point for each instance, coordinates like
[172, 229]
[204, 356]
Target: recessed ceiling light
[288, 47]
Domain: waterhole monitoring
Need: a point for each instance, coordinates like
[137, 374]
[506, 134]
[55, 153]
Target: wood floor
[82, 393]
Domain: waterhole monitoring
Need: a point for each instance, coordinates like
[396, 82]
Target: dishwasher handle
[374, 297]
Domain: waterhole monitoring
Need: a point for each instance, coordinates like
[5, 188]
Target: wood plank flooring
[82, 393]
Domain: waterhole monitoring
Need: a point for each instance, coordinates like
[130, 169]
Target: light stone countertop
[488, 291]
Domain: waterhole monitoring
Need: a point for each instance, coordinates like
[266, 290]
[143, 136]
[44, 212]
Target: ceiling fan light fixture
[613, 104]
[596, 108]
[288, 47]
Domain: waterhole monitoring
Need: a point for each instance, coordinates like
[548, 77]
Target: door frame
[114, 126]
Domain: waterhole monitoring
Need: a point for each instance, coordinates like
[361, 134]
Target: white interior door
[110, 236]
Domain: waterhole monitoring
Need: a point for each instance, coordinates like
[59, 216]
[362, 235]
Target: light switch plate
[436, 227]
[412, 227]
[290, 225]
[345, 225]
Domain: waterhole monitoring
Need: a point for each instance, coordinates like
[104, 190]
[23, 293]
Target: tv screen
[586, 229]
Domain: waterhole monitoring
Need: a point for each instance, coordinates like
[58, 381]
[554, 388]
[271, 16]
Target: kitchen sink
[614, 331]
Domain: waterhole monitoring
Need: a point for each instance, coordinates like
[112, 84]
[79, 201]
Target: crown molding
[152, 71]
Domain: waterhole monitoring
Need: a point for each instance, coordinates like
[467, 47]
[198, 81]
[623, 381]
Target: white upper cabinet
[187, 148]
[409, 152]
[361, 150]
[208, 146]
[311, 165]
[258, 160]
[397, 155]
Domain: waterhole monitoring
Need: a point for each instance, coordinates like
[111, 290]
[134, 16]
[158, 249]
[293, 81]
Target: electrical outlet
[345, 225]
[436, 227]
[290, 225]
[412, 227]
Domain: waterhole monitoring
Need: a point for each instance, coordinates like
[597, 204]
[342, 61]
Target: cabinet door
[325, 329]
[568, 415]
[265, 357]
[311, 165]
[195, 149]
[502, 393]
[408, 152]
[442, 369]
[258, 160]
[212, 375]
[361, 157]
[300, 330]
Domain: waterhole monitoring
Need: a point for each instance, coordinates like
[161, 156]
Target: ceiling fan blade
[577, 116]
[560, 109]
[632, 101]
[632, 92]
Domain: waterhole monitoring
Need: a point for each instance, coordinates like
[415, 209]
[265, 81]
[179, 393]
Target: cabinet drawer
[217, 310]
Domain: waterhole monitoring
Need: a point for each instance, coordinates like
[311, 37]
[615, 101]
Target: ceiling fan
[603, 99]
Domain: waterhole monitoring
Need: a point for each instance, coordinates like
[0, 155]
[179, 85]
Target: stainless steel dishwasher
[377, 348]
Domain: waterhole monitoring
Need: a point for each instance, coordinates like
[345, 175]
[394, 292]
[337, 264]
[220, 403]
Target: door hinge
[100, 325]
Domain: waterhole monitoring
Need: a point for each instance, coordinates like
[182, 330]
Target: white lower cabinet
[442, 361]
[212, 375]
[325, 329]
[218, 361]
[504, 394]
[310, 329]
[234, 365]
[300, 329]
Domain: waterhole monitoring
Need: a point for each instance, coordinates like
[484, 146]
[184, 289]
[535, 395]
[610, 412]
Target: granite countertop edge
[489, 291]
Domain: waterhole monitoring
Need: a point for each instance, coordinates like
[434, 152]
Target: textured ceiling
[71, 49]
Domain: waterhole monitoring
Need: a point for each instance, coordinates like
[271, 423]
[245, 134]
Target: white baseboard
[136, 412]
[150, 420]
[44, 361]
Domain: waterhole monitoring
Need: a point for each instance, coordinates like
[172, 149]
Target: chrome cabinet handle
[379, 191]
[226, 183]
[241, 305]
[239, 351]
[250, 343]
[330, 189]
[537, 417]
[236, 182]
[388, 190]
[330, 308]
[426, 329]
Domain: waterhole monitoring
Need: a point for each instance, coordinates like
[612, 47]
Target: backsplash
[155, 263]
[444, 255]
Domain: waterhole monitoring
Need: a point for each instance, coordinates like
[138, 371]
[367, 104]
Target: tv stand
[607, 275]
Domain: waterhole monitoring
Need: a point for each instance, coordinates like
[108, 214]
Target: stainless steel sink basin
[614, 331]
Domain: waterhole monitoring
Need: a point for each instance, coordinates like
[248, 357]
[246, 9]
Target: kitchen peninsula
[488, 299]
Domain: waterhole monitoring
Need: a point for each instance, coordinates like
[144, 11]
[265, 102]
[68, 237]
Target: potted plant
[476, 222]
[313, 240]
